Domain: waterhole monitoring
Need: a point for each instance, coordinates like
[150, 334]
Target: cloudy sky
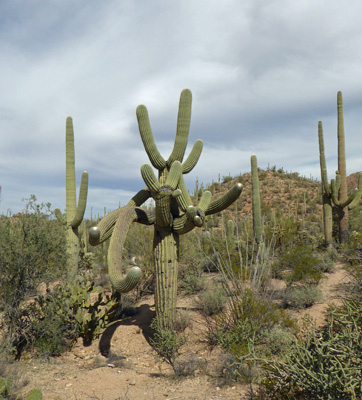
[262, 73]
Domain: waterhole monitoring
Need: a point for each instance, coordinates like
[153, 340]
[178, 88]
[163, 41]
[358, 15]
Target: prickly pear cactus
[74, 213]
[174, 213]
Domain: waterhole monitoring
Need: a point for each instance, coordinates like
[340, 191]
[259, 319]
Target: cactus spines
[335, 194]
[174, 212]
[257, 224]
[74, 213]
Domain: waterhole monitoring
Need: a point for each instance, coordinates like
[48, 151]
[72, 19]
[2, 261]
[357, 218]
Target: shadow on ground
[143, 317]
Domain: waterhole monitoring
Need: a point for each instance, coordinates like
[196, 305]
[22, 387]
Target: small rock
[111, 365]
[133, 382]
[68, 385]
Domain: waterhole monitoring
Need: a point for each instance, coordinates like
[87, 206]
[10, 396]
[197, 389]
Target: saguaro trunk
[166, 254]
[342, 195]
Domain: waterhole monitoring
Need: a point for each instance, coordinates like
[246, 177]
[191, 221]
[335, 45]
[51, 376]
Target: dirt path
[333, 287]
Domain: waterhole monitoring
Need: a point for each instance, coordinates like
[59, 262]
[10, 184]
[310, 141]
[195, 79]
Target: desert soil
[122, 365]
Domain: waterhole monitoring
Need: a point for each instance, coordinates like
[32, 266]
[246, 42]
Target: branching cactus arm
[225, 201]
[147, 138]
[119, 283]
[357, 194]
[183, 127]
[82, 201]
[193, 157]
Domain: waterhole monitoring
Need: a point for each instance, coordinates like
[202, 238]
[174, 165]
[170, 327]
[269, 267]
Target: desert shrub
[192, 282]
[251, 316]
[53, 322]
[226, 179]
[324, 365]
[189, 366]
[182, 321]
[166, 343]
[212, 301]
[301, 297]
[11, 384]
[303, 264]
[32, 251]
[276, 342]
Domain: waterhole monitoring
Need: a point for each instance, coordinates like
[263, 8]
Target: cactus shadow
[143, 317]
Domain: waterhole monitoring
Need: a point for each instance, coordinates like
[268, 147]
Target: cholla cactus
[74, 213]
[174, 212]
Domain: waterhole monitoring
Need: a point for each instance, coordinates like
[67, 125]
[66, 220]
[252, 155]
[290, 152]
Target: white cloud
[262, 75]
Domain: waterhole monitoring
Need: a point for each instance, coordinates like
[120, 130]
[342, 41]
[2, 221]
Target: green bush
[303, 264]
[301, 297]
[212, 301]
[53, 322]
[32, 251]
[166, 343]
[192, 283]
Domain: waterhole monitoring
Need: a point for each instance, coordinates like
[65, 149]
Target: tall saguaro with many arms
[74, 213]
[174, 212]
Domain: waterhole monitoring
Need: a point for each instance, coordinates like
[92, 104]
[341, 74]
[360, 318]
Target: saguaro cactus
[257, 224]
[74, 213]
[174, 212]
[336, 193]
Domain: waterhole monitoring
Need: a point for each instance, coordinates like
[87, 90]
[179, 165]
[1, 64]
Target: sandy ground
[122, 365]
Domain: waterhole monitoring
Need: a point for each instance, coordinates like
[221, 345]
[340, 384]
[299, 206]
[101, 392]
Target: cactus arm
[334, 192]
[225, 201]
[193, 157]
[174, 174]
[338, 181]
[103, 231]
[139, 198]
[150, 178]
[357, 194]
[322, 159]
[182, 225]
[82, 201]
[59, 216]
[147, 138]
[194, 216]
[122, 284]
[70, 170]
[184, 200]
[205, 201]
[183, 127]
